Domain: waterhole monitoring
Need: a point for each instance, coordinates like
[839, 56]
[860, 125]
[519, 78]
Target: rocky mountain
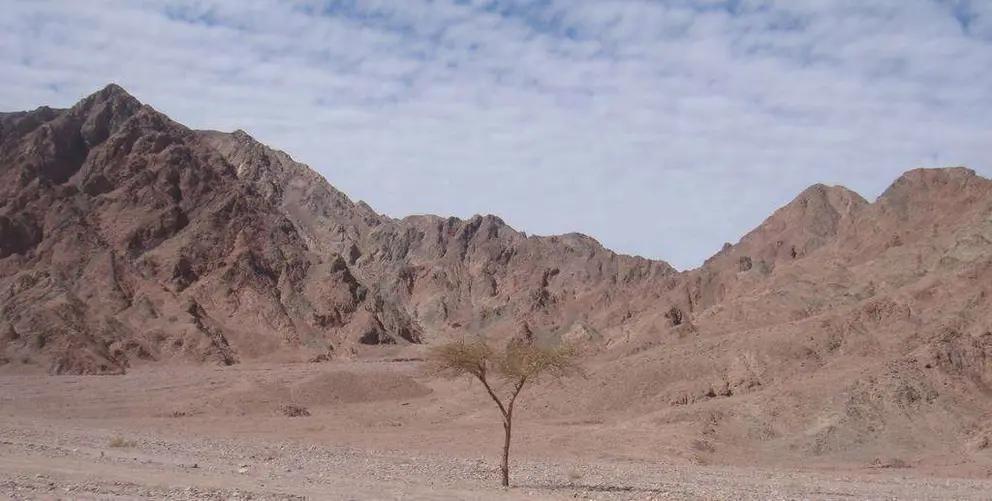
[871, 343]
[837, 328]
[455, 275]
[129, 237]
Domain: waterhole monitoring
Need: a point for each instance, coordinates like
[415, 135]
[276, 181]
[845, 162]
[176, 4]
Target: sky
[662, 128]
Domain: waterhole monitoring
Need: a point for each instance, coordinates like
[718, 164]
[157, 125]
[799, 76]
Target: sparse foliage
[514, 366]
[745, 263]
[674, 315]
[118, 442]
[574, 475]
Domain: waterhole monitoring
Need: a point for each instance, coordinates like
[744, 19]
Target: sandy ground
[376, 431]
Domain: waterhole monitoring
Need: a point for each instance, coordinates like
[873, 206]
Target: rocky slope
[456, 275]
[129, 237]
[871, 343]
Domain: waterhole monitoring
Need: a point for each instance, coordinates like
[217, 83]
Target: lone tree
[519, 363]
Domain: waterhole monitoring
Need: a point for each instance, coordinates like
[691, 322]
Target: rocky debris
[319, 358]
[580, 334]
[293, 411]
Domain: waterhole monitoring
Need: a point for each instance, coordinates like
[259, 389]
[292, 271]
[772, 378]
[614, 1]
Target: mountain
[838, 329]
[130, 237]
[127, 237]
[870, 344]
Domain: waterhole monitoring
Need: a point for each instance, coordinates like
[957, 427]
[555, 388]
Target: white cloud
[662, 128]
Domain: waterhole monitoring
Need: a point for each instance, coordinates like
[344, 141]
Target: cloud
[662, 128]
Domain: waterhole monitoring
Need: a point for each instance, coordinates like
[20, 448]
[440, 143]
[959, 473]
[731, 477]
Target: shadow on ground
[591, 488]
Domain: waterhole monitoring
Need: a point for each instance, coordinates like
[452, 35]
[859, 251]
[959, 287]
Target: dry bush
[294, 411]
[702, 446]
[891, 463]
[574, 475]
[119, 442]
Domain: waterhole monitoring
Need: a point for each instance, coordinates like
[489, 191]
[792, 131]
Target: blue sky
[661, 128]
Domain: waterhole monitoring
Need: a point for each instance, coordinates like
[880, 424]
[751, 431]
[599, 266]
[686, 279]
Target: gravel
[38, 462]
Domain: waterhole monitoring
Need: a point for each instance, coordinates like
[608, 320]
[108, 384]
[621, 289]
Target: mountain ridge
[187, 205]
[449, 272]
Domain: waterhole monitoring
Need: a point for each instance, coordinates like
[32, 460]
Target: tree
[519, 363]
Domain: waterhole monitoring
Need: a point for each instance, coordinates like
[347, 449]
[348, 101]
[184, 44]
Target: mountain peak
[816, 211]
[801, 226]
[104, 111]
[923, 193]
[832, 194]
[113, 89]
[243, 136]
[112, 93]
[927, 179]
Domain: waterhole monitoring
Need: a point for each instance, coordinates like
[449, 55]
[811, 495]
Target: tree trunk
[505, 467]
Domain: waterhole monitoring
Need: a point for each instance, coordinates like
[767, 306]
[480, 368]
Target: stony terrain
[93, 438]
[840, 334]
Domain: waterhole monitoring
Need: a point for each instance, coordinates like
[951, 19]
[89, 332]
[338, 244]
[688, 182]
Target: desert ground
[377, 429]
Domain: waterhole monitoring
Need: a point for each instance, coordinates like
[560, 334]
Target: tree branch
[516, 391]
[492, 394]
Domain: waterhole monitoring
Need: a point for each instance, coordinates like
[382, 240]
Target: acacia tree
[514, 366]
